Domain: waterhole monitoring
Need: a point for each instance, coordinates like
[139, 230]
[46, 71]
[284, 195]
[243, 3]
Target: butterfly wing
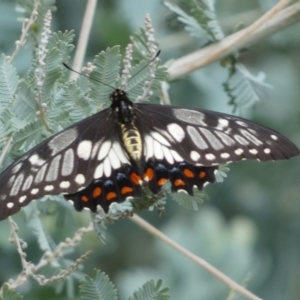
[207, 138]
[64, 163]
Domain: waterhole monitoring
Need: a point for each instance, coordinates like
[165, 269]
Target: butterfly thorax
[124, 113]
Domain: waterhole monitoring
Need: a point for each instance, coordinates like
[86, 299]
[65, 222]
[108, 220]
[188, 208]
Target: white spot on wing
[107, 167]
[239, 151]
[195, 155]
[241, 123]
[114, 160]
[253, 151]
[35, 160]
[65, 184]
[62, 140]
[16, 168]
[104, 149]
[68, 162]
[176, 131]
[251, 137]
[167, 154]
[52, 173]
[80, 179]
[274, 137]
[98, 171]
[16, 185]
[267, 150]
[96, 148]
[158, 137]
[27, 183]
[215, 143]
[158, 152]
[22, 198]
[148, 148]
[197, 138]
[49, 188]
[225, 155]
[190, 116]
[9, 205]
[210, 156]
[228, 141]
[84, 149]
[241, 140]
[222, 123]
[120, 153]
[41, 173]
[34, 191]
[176, 156]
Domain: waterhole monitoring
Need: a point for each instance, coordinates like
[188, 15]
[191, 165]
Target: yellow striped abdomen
[132, 141]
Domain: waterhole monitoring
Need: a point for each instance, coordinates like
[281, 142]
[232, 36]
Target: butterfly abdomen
[132, 141]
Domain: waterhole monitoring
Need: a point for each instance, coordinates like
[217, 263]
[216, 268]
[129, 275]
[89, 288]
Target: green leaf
[107, 67]
[187, 201]
[9, 82]
[204, 13]
[30, 135]
[191, 24]
[151, 291]
[9, 294]
[97, 288]
[242, 87]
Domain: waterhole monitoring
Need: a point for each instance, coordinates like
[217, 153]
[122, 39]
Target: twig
[30, 269]
[83, 37]
[26, 27]
[273, 21]
[201, 262]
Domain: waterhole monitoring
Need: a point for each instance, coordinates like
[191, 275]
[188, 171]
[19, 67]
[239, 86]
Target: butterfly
[108, 156]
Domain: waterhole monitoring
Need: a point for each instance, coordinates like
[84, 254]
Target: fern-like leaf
[107, 69]
[97, 288]
[243, 88]
[9, 82]
[151, 291]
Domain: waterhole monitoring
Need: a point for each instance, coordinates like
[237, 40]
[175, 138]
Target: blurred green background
[250, 226]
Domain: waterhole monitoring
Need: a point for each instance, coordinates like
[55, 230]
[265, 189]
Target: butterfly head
[121, 106]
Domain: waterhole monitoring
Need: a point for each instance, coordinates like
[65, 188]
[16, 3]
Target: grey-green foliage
[151, 290]
[200, 20]
[9, 294]
[26, 6]
[99, 287]
[243, 88]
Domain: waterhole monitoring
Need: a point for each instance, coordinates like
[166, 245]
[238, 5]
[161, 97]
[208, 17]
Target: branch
[201, 262]
[83, 37]
[273, 21]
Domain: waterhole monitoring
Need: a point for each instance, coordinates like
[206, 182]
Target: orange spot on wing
[179, 182]
[126, 190]
[110, 196]
[84, 198]
[188, 173]
[149, 174]
[135, 178]
[162, 181]
[97, 192]
[202, 174]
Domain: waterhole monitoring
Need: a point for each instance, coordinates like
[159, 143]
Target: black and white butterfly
[105, 158]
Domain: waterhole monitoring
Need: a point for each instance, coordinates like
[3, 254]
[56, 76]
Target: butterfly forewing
[208, 138]
[64, 163]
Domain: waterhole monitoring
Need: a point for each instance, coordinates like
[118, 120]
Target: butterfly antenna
[69, 68]
[152, 60]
